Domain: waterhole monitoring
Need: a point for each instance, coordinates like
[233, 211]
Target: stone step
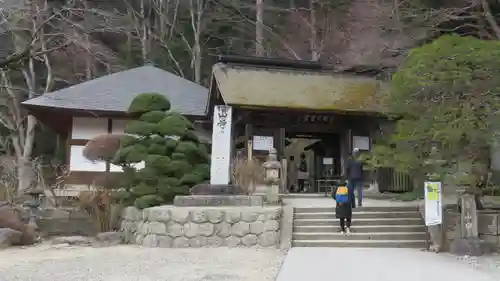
[355, 236]
[361, 243]
[324, 209]
[359, 222]
[361, 215]
[360, 228]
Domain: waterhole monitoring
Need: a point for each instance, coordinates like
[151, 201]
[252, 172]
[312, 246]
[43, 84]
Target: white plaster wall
[79, 163]
[118, 126]
[88, 128]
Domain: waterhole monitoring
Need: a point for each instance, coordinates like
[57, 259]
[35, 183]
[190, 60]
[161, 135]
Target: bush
[148, 102]
[174, 160]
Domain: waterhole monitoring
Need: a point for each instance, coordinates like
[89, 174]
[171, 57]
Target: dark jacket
[342, 211]
[354, 169]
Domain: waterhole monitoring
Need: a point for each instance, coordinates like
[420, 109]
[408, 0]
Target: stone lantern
[272, 179]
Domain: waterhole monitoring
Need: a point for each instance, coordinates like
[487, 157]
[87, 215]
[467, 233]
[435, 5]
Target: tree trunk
[25, 175]
[259, 28]
[313, 40]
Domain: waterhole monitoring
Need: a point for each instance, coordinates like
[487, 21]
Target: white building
[96, 107]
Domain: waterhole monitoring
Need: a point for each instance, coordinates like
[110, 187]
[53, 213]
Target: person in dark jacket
[343, 207]
[355, 176]
[302, 174]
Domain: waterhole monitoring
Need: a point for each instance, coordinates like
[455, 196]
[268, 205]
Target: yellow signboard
[432, 191]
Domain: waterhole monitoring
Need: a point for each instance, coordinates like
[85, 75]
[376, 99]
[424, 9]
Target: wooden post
[248, 137]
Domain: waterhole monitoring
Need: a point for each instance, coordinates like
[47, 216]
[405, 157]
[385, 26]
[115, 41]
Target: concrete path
[369, 264]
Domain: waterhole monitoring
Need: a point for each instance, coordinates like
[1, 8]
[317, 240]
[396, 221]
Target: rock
[215, 241]
[257, 227]
[180, 215]
[160, 214]
[249, 216]
[175, 229]
[215, 216]
[198, 216]
[180, 242]
[156, 227]
[271, 225]
[150, 241]
[232, 241]
[198, 241]
[128, 226]
[109, 238]
[72, 240]
[139, 239]
[9, 237]
[204, 229]
[213, 189]
[131, 214]
[233, 216]
[164, 241]
[240, 228]
[269, 238]
[250, 240]
[466, 247]
[9, 218]
[223, 229]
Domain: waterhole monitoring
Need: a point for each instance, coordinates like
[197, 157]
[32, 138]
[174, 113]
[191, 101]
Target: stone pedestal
[272, 194]
[468, 243]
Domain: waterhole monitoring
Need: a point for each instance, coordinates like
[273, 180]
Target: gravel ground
[489, 265]
[131, 263]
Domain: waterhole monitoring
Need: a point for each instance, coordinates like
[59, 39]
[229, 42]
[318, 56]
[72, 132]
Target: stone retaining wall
[179, 227]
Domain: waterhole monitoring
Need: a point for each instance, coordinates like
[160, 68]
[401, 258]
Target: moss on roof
[285, 88]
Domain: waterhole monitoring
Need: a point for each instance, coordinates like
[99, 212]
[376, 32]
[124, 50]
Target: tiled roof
[115, 92]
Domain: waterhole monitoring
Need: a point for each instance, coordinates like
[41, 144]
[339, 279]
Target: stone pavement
[372, 264]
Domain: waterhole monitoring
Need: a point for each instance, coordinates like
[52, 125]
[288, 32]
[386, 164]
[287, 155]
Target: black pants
[345, 222]
[301, 183]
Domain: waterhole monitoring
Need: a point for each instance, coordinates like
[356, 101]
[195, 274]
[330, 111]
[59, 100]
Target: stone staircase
[383, 227]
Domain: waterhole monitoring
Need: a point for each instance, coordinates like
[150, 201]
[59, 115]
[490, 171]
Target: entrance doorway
[323, 157]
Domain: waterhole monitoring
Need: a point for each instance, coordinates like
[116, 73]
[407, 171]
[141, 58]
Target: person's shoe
[348, 231]
[342, 232]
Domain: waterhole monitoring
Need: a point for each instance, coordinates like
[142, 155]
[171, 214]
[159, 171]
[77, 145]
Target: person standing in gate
[343, 208]
[302, 175]
[291, 174]
[355, 177]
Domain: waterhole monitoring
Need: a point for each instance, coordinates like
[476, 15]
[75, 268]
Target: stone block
[217, 200]
[223, 229]
[110, 238]
[161, 214]
[215, 216]
[466, 246]
[164, 241]
[232, 241]
[240, 228]
[174, 229]
[250, 240]
[269, 238]
[131, 214]
[150, 241]
[249, 216]
[216, 189]
[488, 223]
[215, 241]
[180, 215]
[180, 242]
[198, 241]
